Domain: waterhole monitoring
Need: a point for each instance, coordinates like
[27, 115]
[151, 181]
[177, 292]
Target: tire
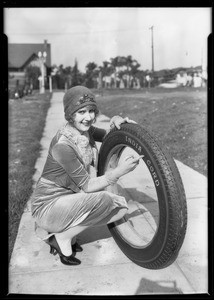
[164, 247]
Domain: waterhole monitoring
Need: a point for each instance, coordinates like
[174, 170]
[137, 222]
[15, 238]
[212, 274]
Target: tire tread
[175, 192]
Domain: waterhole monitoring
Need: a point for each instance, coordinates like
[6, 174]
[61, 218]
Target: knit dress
[58, 202]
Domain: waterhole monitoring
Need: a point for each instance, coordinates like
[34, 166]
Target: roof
[19, 54]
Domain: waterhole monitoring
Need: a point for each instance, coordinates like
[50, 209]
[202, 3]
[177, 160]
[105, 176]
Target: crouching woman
[69, 197]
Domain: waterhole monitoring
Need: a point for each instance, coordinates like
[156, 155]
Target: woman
[69, 197]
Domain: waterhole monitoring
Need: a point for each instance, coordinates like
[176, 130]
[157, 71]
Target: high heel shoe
[54, 249]
[76, 247]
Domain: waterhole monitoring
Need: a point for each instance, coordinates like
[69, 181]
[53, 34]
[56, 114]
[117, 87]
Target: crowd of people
[197, 79]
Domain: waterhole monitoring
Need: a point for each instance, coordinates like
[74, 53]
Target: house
[20, 56]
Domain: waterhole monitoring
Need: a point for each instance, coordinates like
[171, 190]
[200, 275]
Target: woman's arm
[68, 160]
[100, 183]
[97, 133]
[125, 166]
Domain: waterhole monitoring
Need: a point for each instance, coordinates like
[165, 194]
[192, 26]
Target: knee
[106, 197]
[113, 199]
[122, 212]
[124, 203]
[118, 215]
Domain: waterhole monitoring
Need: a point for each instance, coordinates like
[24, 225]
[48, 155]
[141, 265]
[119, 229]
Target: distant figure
[137, 83]
[181, 78]
[189, 79]
[148, 80]
[122, 85]
[197, 80]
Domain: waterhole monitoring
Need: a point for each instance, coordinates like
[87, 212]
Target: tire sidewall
[123, 137]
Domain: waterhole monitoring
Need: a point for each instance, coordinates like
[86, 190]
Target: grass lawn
[177, 116]
[26, 123]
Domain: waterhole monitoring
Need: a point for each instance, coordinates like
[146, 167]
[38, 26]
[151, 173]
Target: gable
[19, 55]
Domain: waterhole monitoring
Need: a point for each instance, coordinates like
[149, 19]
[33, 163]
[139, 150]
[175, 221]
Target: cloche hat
[76, 98]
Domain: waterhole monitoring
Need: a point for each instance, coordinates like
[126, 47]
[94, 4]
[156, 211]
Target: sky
[99, 34]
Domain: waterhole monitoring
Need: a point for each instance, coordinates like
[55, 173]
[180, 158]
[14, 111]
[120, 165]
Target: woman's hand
[116, 121]
[128, 164]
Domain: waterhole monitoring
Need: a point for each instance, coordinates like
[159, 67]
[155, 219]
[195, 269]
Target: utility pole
[151, 28]
[42, 59]
[202, 59]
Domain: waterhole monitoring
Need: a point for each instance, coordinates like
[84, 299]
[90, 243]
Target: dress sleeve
[69, 161]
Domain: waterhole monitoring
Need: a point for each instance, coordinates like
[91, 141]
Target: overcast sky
[98, 34]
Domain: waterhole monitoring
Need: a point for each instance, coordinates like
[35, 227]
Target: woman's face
[84, 118]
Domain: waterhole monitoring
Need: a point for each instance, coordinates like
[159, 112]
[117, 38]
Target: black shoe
[76, 247]
[54, 249]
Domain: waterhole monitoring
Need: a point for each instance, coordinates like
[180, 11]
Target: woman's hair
[72, 116]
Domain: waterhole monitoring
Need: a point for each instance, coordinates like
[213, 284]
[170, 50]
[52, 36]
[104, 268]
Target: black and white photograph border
[147, 55]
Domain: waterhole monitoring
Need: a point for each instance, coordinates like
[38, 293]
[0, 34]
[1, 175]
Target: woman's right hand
[127, 164]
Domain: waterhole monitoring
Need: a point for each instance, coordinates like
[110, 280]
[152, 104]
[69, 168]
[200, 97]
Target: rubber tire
[169, 237]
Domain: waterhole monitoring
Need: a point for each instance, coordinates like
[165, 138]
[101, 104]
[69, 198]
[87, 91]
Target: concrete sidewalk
[105, 270]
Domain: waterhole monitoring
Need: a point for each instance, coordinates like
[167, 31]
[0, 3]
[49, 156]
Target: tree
[131, 69]
[32, 74]
[106, 70]
[76, 76]
[115, 63]
[68, 77]
[129, 62]
[61, 77]
[91, 75]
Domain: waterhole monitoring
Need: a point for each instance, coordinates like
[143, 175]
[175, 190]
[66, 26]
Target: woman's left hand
[116, 121]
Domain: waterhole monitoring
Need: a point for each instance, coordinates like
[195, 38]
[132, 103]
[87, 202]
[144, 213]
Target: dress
[58, 202]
